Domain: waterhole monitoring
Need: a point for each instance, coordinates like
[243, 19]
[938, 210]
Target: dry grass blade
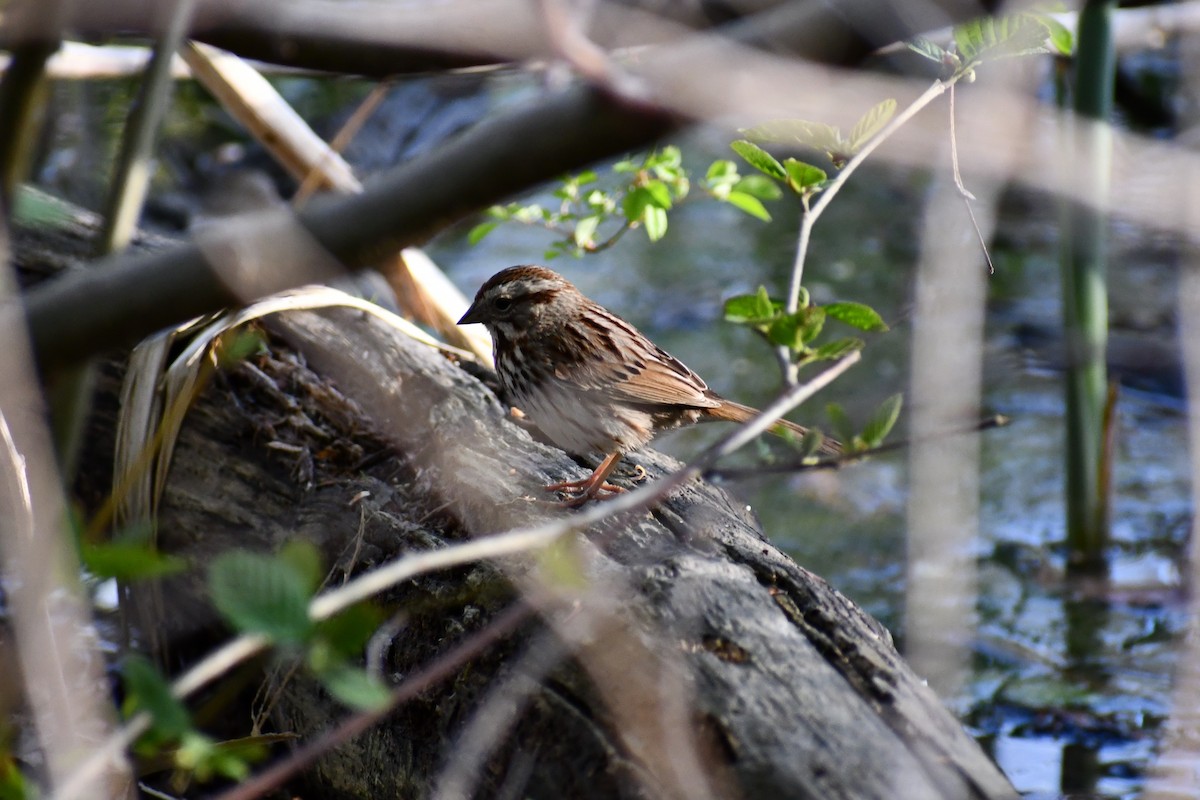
[421, 286]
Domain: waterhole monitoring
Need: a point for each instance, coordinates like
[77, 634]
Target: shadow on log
[683, 655]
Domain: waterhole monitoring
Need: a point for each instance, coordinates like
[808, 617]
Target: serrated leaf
[355, 687]
[129, 561]
[147, 690]
[1061, 38]
[882, 420]
[839, 422]
[871, 123]
[655, 220]
[924, 47]
[749, 204]
[476, 234]
[968, 39]
[758, 158]
[857, 315]
[585, 231]
[817, 135]
[261, 594]
[304, 557]
[759, 186]
[803, 177]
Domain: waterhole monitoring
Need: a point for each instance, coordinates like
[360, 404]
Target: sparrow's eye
[502, 304]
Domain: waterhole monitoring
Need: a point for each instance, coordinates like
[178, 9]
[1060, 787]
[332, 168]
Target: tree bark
[710, 642]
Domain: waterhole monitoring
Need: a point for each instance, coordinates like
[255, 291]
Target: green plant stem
[811, 215]
[1085, 300]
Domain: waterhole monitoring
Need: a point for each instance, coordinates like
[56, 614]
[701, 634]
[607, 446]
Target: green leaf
[802, 177]
[38, 209]
[261, 594]
[347, 633]
[811, 443]
[355, 687]
[722, 171]
[635, 203]
[1061, 38]
[931, 50]
[475, 236]
[831, 351]
[839, 422]
[147, 690]
[794, 331]
[751, 309]
[758, 158]
[871, 123]
[655, 220]
[129, 561]
[304, 557]
[660, 195]
[749, 204]
[759, 186]
[585, 231]
[882, 420]
[235, 346]
[816, 135]
[857, 315]
[969, 38]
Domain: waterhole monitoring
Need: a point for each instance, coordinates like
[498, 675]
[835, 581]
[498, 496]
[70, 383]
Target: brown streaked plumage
[587, 378]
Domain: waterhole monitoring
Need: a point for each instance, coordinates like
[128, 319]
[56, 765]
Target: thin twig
[811, 215]
[842, 459]
[442, 668]
[962, 190]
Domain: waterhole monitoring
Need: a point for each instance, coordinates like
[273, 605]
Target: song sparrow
[587, 378]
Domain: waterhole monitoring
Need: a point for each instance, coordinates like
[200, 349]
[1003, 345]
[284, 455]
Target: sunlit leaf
[658, 193]
[871, 123]
[802, 177]
[749, 204]
[1060, 35]
[750, 309]
[857, 315]
[794, 331]
[758, 158]
[655, 219]
[759, 186]
[817, 135]
[585, 231]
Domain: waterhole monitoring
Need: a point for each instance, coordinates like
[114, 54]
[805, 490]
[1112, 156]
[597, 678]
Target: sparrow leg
[591, 486]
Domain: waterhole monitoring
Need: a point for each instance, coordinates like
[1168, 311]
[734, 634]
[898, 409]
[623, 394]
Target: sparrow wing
[644, 372]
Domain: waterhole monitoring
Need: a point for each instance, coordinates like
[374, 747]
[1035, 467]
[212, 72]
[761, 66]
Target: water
[1068, 684]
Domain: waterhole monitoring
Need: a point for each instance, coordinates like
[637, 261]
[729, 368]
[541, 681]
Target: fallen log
[688, 657]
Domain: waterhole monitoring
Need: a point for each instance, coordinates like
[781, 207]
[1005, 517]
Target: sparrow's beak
[473, 315]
